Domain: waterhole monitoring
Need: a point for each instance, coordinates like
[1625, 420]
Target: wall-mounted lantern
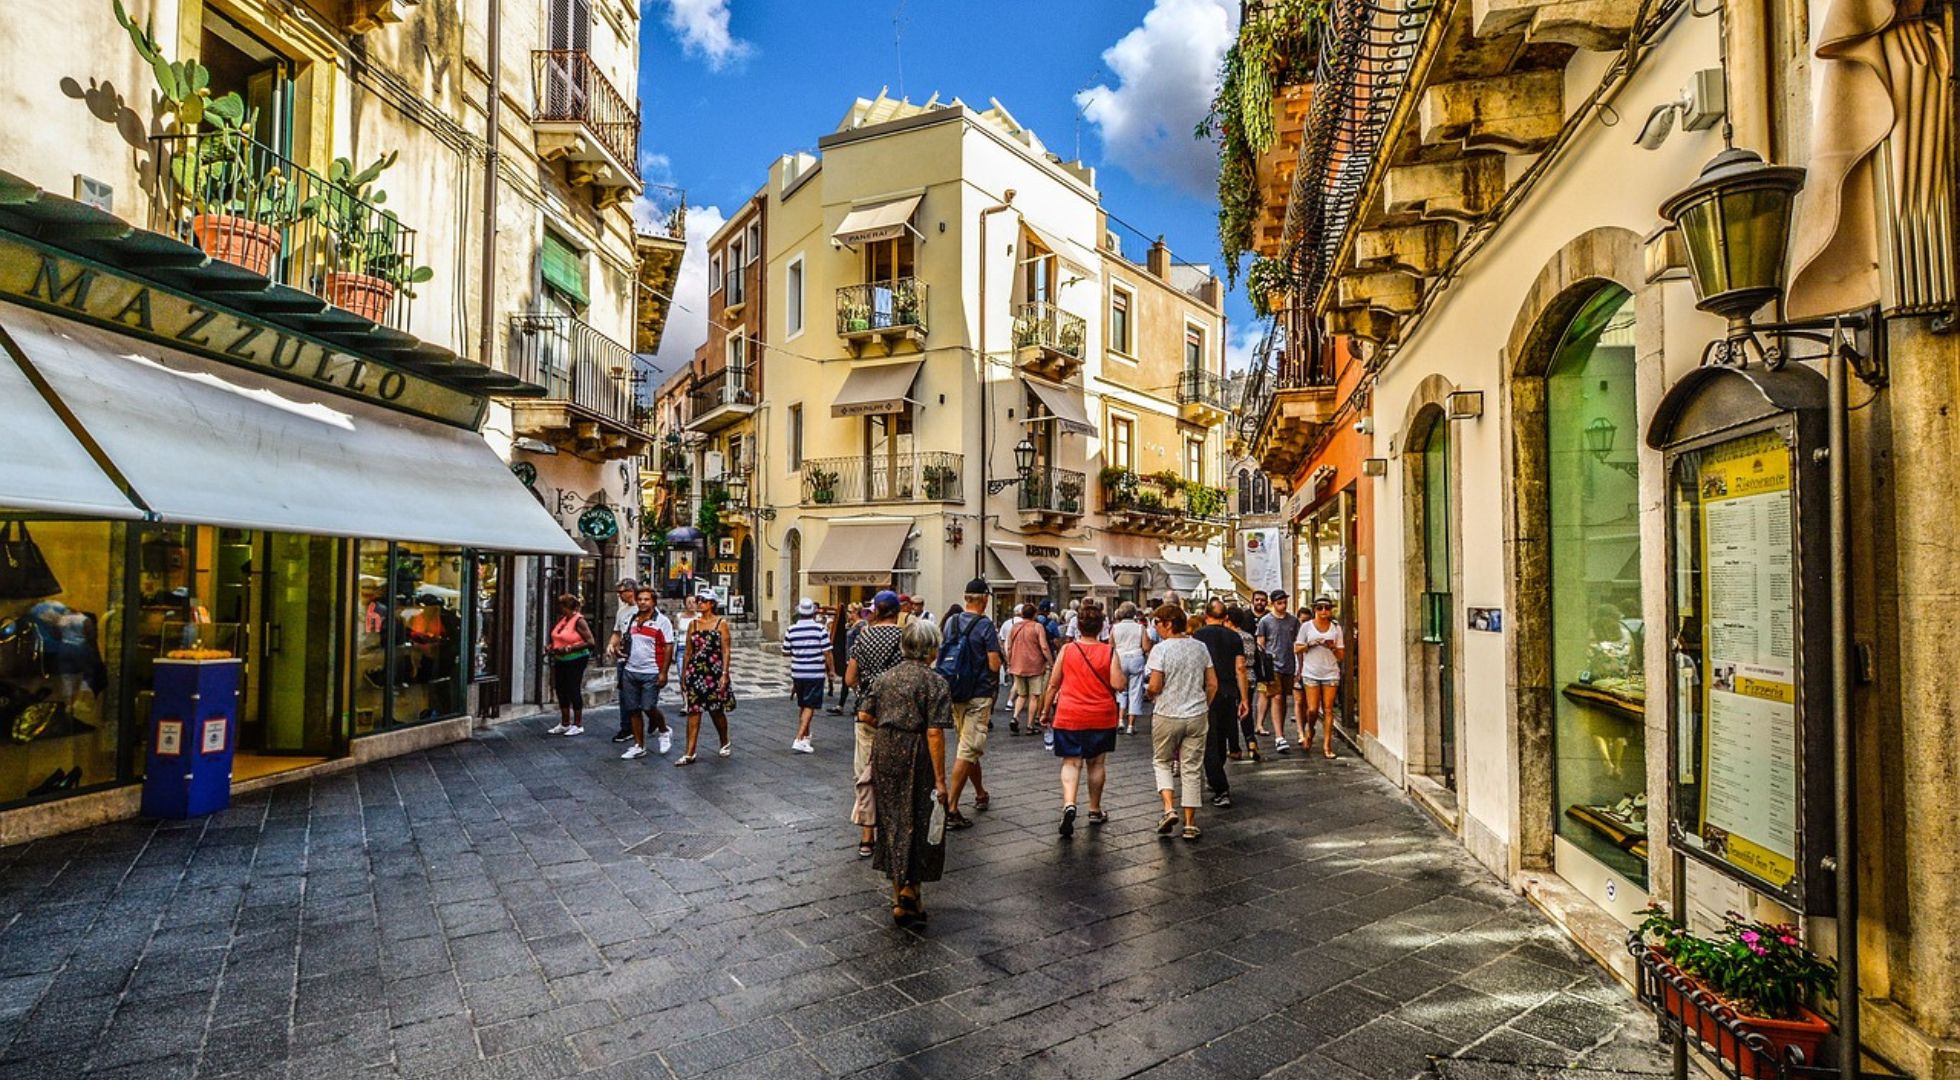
[1466, 404]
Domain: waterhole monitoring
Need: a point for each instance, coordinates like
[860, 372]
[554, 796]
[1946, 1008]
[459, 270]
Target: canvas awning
[203, 442]
[1020, 571]
[59, 476]
[881, 221]
[1092, 568]
[1069, 252]
[859, 553]
[1185, 579]
[874, 391]
[1064, 407]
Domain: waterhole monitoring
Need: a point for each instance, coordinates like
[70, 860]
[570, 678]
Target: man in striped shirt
[807, 644]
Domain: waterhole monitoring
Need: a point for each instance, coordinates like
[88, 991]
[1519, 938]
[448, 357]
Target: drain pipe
[1843, 761]
[487, 332]
[986, 399]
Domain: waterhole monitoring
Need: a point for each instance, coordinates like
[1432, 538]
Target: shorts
[809, 693]
[1084, 744]
[1030, 686]
[1309, 680]
[638, 693]
[970, 719]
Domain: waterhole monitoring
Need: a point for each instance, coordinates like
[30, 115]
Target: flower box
[1722, 1027]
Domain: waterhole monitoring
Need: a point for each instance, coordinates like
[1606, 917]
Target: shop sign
[1259, 550]
[90, 292]
[598, 523]
[728, 567]
[1039, 551]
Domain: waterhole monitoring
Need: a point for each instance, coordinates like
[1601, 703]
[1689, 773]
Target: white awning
[1021, 574]
[1092, 568]
[1185, 579]
[1064, 407]
[863, 553]
[1072, 254]
[872, 391]
[1210, 565]
[880, 222]
[206, 443]
[46, 467]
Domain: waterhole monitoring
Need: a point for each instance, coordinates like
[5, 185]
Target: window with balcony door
[1119, 320]
[1039, 283]
[886, 261]
[735, 375]
[1122, 442]
[755, 241]
[1194, 349]
[714, 273]
[793, 298]
[240, 62]
[568, 35]
[888, 456]
[1194, 460]
[737, 290]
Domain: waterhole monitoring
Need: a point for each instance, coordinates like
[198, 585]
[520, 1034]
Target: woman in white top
[1321, 648]
[1132, 641]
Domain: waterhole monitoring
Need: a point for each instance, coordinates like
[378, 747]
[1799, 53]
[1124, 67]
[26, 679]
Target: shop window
[1599, 745]
[61, 592]
[409, 635]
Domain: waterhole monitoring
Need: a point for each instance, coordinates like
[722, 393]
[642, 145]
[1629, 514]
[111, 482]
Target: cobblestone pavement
[524, 906]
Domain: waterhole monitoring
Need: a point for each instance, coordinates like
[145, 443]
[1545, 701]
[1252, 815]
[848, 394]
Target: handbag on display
[20, 650]
[24, 573]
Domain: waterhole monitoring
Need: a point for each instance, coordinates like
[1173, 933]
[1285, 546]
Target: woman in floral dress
[704, 676]
[911, 709]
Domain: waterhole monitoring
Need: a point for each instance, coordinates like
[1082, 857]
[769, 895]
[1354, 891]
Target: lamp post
[1023, 468]
[1600, 435]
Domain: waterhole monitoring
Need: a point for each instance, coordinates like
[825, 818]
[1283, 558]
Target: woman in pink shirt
[1084, 689]
[1027, 663]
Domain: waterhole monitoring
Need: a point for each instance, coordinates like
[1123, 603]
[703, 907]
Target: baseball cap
[977, 586]
[627, 583]
[806, 606]
[1323, 601]
[886, 600]
[1276, 594]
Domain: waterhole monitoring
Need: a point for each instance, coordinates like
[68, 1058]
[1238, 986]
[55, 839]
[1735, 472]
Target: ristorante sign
[90, 292]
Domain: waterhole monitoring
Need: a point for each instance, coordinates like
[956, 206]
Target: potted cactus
[1071, 337]
[1068, 493]
[857, 317]
[905, 304]
[370, 267]
[823, 485]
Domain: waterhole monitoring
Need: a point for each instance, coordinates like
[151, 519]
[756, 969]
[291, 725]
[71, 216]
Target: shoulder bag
[24, 573]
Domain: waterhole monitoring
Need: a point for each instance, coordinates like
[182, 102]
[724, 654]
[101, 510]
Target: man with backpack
[970, 661]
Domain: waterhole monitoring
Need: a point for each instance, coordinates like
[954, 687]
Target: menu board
[1749, 747]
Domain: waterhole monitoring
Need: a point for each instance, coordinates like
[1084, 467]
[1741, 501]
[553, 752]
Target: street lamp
[1600, 435]
[1023, 468]
[1734, 223]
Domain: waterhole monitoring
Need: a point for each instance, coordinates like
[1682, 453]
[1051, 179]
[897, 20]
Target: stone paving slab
[526, 906]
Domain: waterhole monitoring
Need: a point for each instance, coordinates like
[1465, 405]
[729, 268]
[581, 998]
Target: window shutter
[564, 268]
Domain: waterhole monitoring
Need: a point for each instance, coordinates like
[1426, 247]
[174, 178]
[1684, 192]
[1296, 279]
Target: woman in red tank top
[1082, 689]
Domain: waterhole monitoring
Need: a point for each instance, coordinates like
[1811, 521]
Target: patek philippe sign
[86, 291]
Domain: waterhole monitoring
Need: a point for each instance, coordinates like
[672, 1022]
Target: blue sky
[728, 85]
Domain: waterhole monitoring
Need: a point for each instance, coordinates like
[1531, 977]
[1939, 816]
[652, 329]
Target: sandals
[1167, 824]
[981, 803]
[1329, 754]
[957, 820]
[684, 759]
[907, 912]
[1190, 832]
[1068, 821]
[864, 850]
[1097, 817]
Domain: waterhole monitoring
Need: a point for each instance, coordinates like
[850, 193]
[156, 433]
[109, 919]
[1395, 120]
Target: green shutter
[564, 268]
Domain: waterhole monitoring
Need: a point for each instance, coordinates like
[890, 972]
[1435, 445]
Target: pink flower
[1758, 949]
[1750, 937]
[1788, 940]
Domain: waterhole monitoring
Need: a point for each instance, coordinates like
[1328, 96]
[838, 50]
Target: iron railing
[1052, 491]
[881, 305]
[569, 87]
[247, 205]
[928, 477]
[1159, 495]
[1201, 388]
[668, 216]
[1040, 322]
[573, 362]
[729, 386]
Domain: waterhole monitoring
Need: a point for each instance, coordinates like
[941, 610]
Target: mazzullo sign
[77, 289]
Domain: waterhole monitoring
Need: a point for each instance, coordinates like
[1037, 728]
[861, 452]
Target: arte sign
[90, 292]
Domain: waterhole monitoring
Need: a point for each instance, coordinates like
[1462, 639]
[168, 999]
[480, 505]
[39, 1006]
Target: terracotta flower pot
[238, 241]
[363, 294]
[1806, 1033]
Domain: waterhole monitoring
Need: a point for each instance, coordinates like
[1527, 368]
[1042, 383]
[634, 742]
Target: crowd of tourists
[1211, 683]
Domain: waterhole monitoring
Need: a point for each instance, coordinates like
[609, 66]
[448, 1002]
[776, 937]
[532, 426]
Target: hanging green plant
[1266, 279]
[708, 518]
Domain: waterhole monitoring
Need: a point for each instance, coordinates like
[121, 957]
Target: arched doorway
[1599, 775]
[1431, 563]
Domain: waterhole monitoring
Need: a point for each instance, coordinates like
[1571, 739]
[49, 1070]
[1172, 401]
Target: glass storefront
[1599, 744]
[62, 598]
[1322, 568]
[409, 645]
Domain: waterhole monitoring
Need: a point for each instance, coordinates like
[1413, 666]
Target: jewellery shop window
[409, 645]
[62, 603]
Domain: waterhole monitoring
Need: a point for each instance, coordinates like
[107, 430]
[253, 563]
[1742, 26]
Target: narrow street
[524, 906]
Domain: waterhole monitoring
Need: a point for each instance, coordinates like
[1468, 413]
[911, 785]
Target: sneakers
[1281, 746]
[802, 746]
[666, 742]
[726, 750]
[634, 752]
[624, 736]
[557, 729]
[576, 729]
[1068, 821]
[1223, 799]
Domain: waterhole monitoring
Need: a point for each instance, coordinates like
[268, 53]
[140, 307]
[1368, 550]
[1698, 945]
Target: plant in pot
[938, 480]
[1071, 338]
[1758, 974]
[1266, 283]
[823, 485]
[1119, 486]
[1068, 491]
[905, 304]
[370, 264]
[857, 317]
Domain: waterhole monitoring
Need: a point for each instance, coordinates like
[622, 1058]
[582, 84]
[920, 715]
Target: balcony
[721, 399]
[582, 120]
[1048, 341]
[1163, 505]
[1201, 398]
[658, 249]
[1051, 496]
[888, 312]
[588, 406]
[1290, 399]
[908, 478]
[256, 213]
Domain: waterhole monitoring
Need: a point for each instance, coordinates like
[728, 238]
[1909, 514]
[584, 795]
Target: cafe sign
[91, 292]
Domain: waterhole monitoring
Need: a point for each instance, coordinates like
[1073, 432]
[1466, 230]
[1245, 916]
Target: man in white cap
[807, 644]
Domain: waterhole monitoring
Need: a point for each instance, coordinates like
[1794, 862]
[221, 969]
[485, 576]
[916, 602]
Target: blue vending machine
[193, 726]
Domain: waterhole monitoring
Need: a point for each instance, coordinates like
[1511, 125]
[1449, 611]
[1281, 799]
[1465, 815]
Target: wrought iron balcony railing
[569, 87]
[881, 305]
[573, 362]
[929, 477]
[1201, 388]
[1052, 491]
[1162, 495]
[246, 205]
[729, 386]
[1042, 323]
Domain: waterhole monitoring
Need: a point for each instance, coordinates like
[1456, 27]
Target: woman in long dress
[705, 683]
[911, 709]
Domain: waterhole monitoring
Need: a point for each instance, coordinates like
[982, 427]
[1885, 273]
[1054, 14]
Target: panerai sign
[77, 289]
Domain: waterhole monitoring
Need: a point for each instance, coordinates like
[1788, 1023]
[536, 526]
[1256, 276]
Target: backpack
[961, 663]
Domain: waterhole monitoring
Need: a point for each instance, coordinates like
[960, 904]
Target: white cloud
[703, 29]
[1166, 72]
[687, 320]
[1241, 344]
